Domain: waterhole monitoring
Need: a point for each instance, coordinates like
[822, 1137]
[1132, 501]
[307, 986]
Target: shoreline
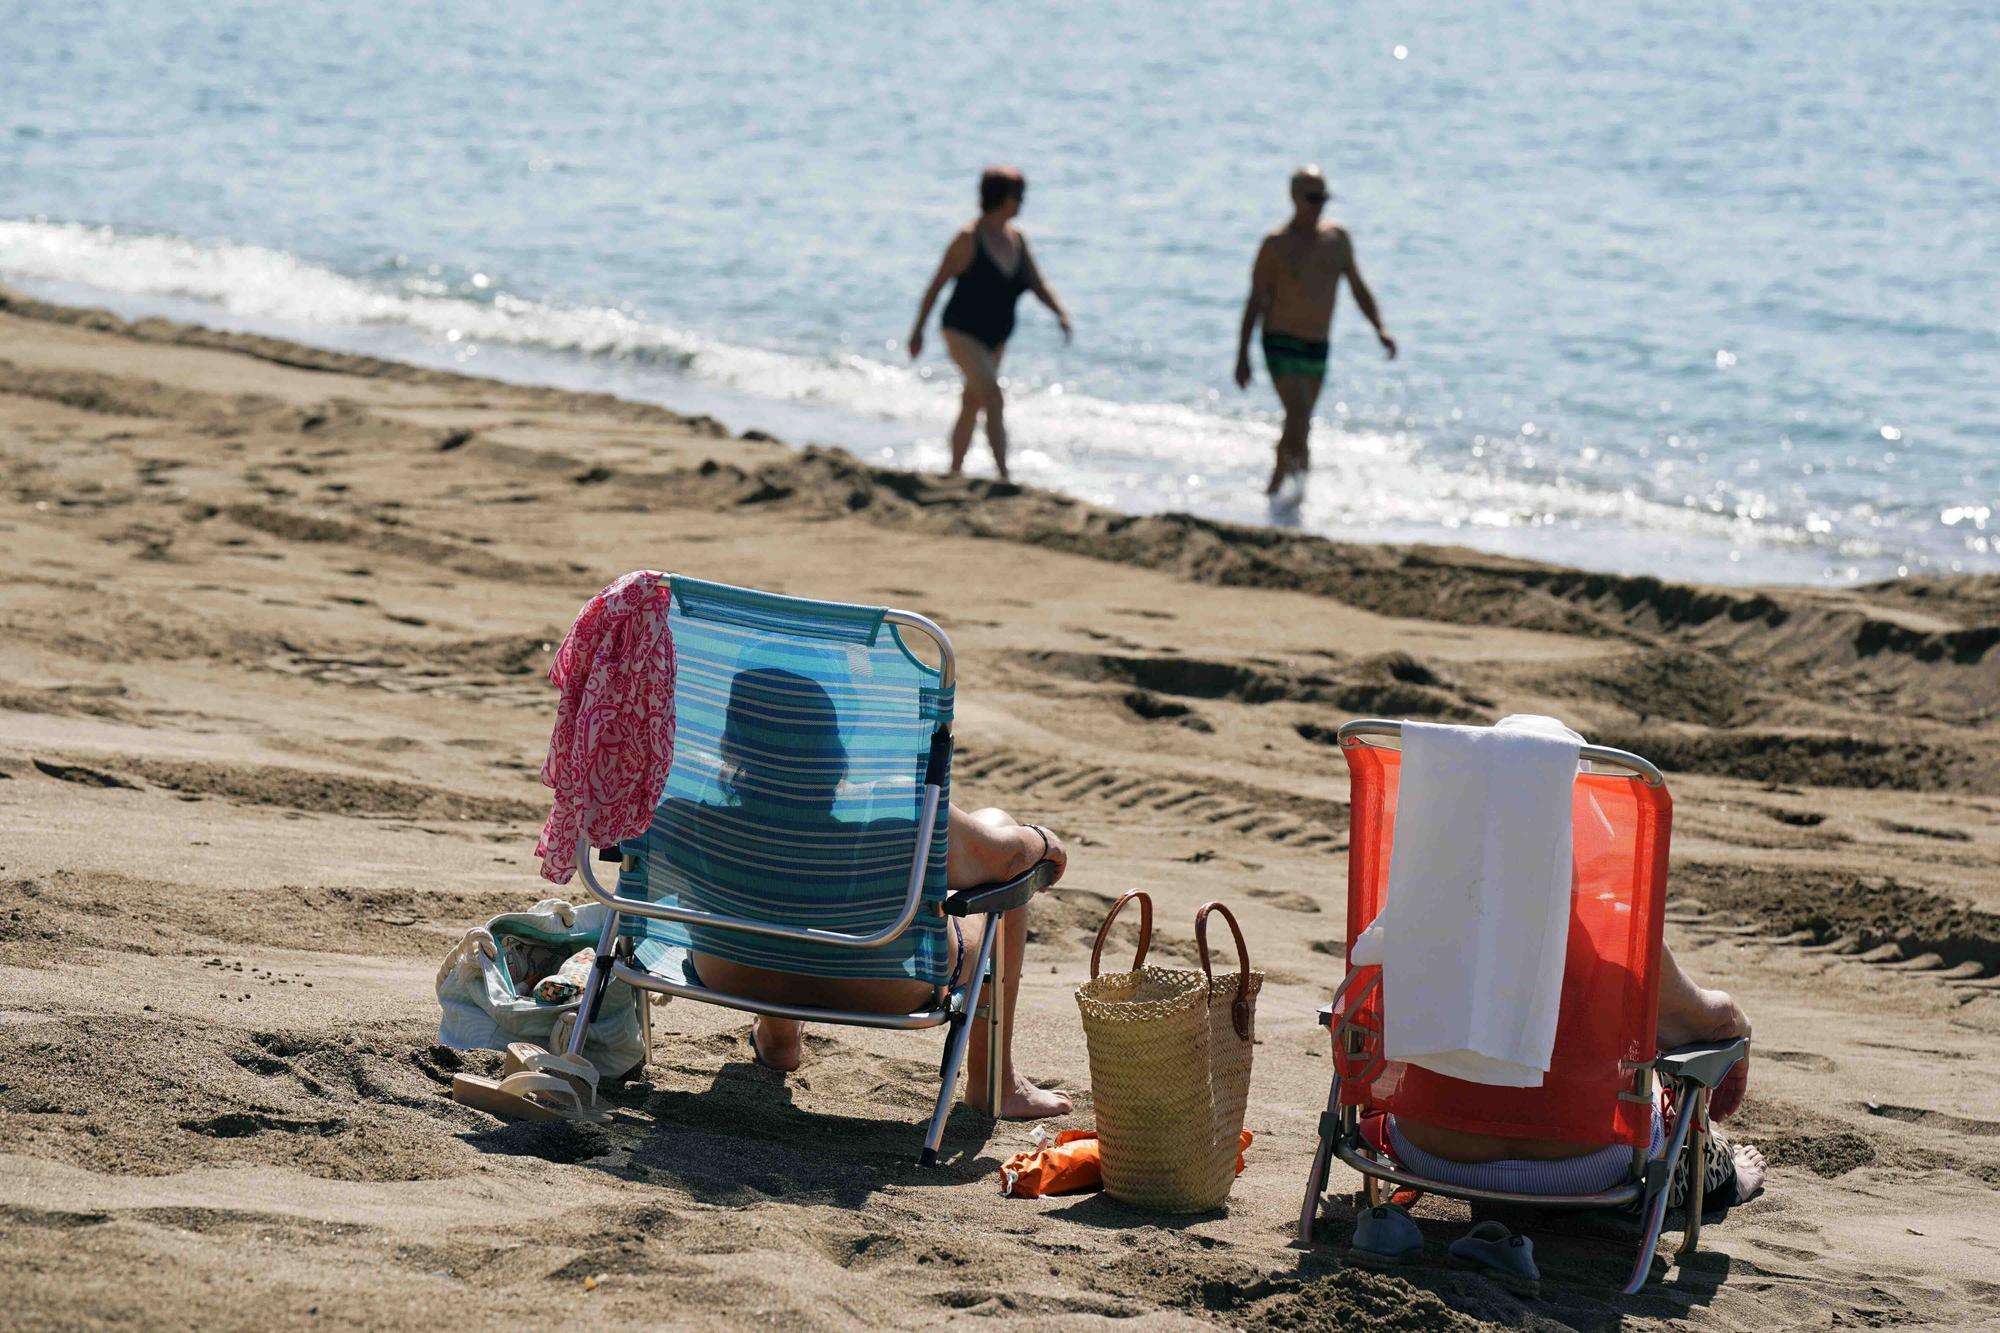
[1533, 570]
[544, 368]
[272, 715]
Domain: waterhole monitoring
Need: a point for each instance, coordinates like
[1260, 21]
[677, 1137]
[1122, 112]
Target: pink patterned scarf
[614, 735]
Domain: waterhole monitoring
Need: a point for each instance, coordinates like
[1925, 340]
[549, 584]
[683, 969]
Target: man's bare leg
[1299, 394]
[1691, 1013]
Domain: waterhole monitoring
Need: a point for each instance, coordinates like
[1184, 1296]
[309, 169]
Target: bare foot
[1021, 1101]
[1750, 1168]
[777, 1043]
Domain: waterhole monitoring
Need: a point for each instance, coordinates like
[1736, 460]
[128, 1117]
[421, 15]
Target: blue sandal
[1384, 1236]
[1507, 1258]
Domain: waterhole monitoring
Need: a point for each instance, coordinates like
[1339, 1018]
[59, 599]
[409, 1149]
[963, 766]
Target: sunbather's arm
[988, 847]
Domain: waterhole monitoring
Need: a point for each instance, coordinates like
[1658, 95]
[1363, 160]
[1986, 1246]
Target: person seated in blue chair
[784, 768]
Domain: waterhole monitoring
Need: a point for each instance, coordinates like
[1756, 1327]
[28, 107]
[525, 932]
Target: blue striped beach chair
[803, 825]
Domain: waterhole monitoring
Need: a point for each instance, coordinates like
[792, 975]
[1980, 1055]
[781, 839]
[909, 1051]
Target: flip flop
[1505, 1256]
[580, 1073]
[524, 1095]
[1384, 1236]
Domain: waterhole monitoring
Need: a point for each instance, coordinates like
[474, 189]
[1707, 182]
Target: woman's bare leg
[984, 847]
[779, 1042]
[988, 847]
[1020, 1097]
[980, 365]
[996, 418]
[969, 400]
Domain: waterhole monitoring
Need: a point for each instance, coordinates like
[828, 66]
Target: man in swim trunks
[1292, 291]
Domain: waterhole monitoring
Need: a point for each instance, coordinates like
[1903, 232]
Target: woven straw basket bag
[1169, 1069]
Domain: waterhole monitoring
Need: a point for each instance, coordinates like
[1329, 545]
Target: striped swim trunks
[1286, 355]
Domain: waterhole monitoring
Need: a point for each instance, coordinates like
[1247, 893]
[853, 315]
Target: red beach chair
[1600, 1085]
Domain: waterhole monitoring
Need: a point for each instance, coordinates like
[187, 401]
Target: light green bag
[482, 989]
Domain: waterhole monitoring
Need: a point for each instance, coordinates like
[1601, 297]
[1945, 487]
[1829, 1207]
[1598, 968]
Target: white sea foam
[1139, 457]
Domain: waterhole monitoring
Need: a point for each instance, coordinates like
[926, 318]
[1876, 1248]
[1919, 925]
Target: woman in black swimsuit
[993, 265]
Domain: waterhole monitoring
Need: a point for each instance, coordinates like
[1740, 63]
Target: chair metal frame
[1692, 1072]
[959, 1006]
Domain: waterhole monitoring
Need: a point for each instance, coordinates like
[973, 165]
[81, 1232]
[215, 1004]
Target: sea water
[1707, 291]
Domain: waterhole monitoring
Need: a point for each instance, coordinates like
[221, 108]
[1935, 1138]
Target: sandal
[524, 1095]
[579, 1072]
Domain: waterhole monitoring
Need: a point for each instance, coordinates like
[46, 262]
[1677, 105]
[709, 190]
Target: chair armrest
[1002, 897]
[1705, 1062]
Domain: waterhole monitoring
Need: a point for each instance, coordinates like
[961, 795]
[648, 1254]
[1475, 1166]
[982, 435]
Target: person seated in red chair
[1688, 1013]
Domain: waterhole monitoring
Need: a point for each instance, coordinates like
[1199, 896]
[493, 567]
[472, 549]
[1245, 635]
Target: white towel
[1474, 929]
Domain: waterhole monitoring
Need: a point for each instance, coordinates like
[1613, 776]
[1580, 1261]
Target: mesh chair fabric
[1610, 999]
[804, 731]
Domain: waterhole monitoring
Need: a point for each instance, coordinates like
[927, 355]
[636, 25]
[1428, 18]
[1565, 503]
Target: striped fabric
[1591, 1173]
[803, 732]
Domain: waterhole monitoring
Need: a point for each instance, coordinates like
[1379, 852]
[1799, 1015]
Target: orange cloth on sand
[1068, 1164]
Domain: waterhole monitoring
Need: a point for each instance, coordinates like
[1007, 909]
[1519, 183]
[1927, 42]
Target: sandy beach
[272, 713]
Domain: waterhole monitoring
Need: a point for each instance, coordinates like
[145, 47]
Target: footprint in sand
[1808, 1060]
[1924, 831]
[1917, 1115]
[83, 777]
[1284, 900]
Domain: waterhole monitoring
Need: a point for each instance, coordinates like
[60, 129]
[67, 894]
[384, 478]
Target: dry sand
[271, 714]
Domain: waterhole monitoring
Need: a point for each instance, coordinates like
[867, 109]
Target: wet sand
[271, 720]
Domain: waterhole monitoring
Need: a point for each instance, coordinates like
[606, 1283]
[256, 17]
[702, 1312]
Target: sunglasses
[1318, 198]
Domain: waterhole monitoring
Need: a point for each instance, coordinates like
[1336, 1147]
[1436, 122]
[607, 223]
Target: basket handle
[1239, 1011]
[1145, 929]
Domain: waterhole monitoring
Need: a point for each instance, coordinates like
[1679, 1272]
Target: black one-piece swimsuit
[982, 300]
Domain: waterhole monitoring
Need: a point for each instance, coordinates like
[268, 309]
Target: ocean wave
[249, 281]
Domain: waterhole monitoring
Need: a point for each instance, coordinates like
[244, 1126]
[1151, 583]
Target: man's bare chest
[1311, 263]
